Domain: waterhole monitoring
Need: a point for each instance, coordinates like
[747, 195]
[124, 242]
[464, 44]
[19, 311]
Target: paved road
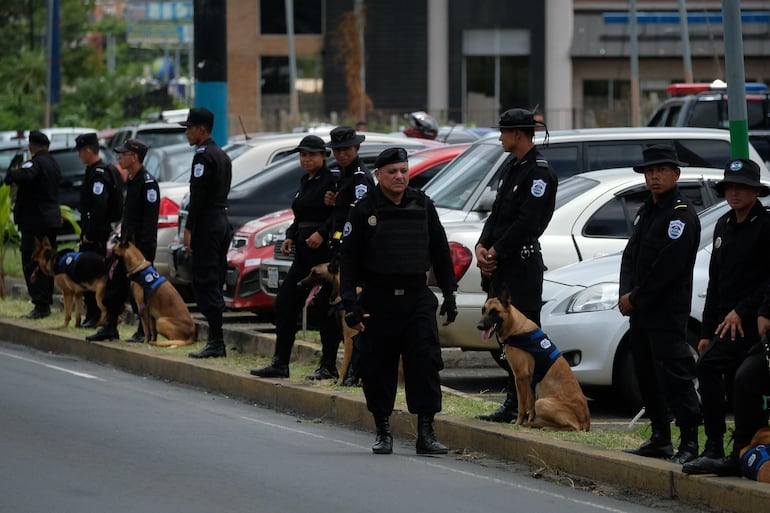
[79, 437]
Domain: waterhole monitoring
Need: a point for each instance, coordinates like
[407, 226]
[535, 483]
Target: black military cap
[656, 154]
[313, 144]
[517, 118]
[744, 172]
[345, 137]
[135, 146]
[390, 156]
[39, 138]
[86, 140]
[199, 116]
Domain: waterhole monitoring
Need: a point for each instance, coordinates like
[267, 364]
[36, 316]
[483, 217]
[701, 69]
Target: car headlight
[268, 236]
[602, 296]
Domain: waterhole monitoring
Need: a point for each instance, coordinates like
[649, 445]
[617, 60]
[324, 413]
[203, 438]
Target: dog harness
[149, 279]
[66, 263]
[752, 460]
[540, 347]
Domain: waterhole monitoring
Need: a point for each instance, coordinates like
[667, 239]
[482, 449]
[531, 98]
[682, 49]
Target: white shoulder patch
[675, 229]
[98, 188]
[347, 229]
[360, 190]
[152, 196]
[27, 164]
[538, 188]
[198, 170]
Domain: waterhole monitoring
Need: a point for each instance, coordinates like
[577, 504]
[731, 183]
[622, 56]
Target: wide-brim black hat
[743, 172]
[517, 118]
[344, 137]
[199, 116]
[657, 154]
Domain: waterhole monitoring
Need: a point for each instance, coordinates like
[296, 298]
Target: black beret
[390, 156]
[135, 146]
[39, 138]
[84, 140]
[199, 116]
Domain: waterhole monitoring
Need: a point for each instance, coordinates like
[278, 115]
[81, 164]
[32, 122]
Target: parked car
[594, 216]
[170, 163]
[465, 189]
[422, 164]
[271, 189]
[153, 135]
[580, 315]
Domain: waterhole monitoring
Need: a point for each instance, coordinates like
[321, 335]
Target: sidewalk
[616, 468]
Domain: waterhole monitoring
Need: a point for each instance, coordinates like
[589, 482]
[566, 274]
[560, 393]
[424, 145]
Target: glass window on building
[308, 17]
[606, 103]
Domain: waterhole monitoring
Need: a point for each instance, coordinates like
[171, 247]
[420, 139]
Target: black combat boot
[276, 369]
[383, 444]
[688, 446]
[138, 336]
[327, 370]
[506, 413]
[713, 452]
[659, 444]
[213, 349]
[426, 438]
[727, 466]
[107, 332]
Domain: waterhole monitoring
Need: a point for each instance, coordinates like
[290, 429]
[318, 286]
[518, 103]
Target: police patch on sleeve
[347, 229]
[27, 164]
[198, 170]
[360, 190]
[538, 188]
[675, 229]
[152, 196]
[98, 188]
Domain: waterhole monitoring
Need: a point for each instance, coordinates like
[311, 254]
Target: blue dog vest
[540, 347]
[149, 279]
[752, 460]
[66, 263]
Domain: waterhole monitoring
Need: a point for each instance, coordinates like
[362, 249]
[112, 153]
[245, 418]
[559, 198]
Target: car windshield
[453, 186]
[268, 174]
[571, 188]
[165, 137]
[179, 164]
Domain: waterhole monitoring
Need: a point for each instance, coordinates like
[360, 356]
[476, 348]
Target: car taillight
[168, 215]
[461, 259]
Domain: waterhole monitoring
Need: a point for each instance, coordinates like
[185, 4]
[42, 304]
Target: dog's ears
[334, 263]
[505, 296]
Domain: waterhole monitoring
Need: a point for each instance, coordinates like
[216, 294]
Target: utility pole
[688, 77]
[736, 79]
[293, 99]
[53, 54]
[210, 56]
[636, 116]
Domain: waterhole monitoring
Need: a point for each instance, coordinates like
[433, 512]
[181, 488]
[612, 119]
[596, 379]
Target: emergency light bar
[716, 85]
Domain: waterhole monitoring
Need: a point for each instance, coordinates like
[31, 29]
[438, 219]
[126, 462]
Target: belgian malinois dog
[761, 440]
[73, 273]
[161, 308]
[549, 396]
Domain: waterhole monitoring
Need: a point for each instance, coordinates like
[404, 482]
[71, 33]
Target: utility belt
[395, 285]
[529, 249]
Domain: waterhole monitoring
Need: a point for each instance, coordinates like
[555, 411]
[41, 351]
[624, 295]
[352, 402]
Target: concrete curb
[655, 477]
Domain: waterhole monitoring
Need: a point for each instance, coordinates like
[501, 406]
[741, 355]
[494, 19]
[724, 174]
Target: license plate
[272, 277]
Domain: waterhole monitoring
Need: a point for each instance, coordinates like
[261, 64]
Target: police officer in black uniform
[391, 239]
[655, 292]
[738, 272]
[94, 216]
[309, 236]
[207, 233]
[354, 180]
[36, 212]
[508, 251]
[140, 226]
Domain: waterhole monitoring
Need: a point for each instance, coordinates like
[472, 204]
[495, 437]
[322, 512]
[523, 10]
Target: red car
[252, 243]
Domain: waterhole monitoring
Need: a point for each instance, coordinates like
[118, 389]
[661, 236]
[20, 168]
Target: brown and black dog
[73, 273]
[161, 308]
[548, 393]
[328, 274]
[758, 447]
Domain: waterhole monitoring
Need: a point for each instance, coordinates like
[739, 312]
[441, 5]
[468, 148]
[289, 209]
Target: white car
[171, 195]
[593, 217]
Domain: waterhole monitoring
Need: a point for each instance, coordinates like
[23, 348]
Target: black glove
[354, 314]
[449, 308]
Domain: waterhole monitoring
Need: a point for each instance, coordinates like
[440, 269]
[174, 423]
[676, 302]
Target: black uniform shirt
[523, 206]
[37, 199]
[353, 183]
[739, 268]
[355, 248]
[657, 263]
[209, 183]
[140, 213]
[94, 199]
[310, 212]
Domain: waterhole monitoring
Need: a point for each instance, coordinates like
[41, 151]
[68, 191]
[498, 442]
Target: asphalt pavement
[656, 477]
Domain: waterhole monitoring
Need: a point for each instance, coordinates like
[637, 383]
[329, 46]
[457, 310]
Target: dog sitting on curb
[161, 308]
[73, 273]
[548, 393]
[755, 456]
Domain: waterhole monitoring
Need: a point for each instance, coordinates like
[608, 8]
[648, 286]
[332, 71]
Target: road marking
[54, 367]
[428, 462]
